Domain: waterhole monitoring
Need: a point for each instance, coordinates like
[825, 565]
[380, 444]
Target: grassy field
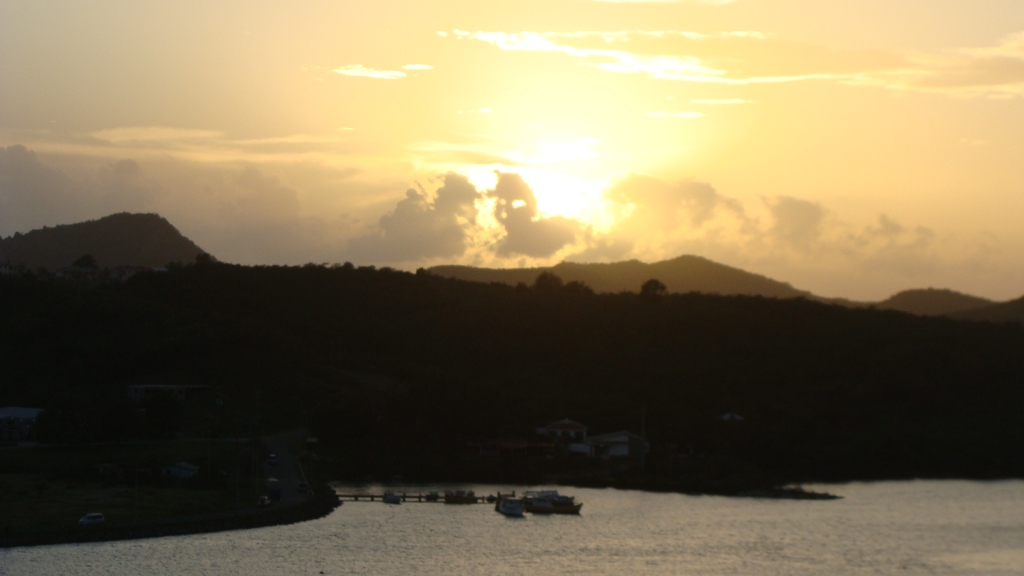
[55, 486]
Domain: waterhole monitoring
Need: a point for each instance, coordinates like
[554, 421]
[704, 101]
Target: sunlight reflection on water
[883, 528]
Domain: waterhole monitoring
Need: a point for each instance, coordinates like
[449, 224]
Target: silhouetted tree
[85, 261]
[652, 289]
[547, 282]
[577, 287]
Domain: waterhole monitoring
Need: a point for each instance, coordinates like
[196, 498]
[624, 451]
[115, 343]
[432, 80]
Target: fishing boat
[459, 497]
[391, 498]
[550, 502]
[510, 506]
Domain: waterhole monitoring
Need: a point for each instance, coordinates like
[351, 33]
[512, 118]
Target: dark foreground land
[405, 375]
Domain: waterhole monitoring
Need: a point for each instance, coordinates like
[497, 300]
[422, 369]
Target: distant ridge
[933, 302]
[1012, 311]
[696, 274]
[115, 240]
[682, 274]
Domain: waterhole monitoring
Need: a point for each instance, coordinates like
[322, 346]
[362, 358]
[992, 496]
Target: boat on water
[459, 497]
[510, 506]
[391, 498]
[550, 502]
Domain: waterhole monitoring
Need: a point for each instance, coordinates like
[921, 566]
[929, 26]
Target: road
[287, 470]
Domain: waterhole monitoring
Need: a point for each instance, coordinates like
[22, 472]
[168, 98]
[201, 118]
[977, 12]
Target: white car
[91, 519]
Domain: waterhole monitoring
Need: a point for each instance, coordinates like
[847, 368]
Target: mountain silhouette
[1012, 311]
[680, 275]
[932, 302]
[117, 240]
[696, 274]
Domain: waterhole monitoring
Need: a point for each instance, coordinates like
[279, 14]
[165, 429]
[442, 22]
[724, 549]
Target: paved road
[287, 470]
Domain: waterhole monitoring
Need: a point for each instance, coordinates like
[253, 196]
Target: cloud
[683, 115]
[722, 101]
[646, 202]
[711, 2]
[32, 194]
[421, 228]
[239, 212]
[797, 221]
[741, 58]
[417, 67]
[141, 134]
[526, 234]
[361, 71]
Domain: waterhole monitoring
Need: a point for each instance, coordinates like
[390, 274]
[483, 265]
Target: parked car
[93, 519]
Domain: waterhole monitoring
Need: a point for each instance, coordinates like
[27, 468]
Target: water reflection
[884, 528]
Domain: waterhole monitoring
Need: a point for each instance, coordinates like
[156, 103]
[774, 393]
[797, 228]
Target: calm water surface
[961, 528]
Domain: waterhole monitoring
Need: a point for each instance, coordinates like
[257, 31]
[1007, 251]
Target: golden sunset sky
[850, 148]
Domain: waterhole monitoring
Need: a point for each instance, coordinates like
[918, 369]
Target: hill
[680, 275]
[932, 302]
[115, 240]
[1012, 311]
[825, 392]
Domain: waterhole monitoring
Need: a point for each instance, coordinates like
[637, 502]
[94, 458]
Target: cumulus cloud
[526, 234]
[797, 221]
[259, 214]
[421, 228]
[644, 202]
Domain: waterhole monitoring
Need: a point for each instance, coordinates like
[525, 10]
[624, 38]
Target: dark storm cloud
[419, 228]
[516, 210]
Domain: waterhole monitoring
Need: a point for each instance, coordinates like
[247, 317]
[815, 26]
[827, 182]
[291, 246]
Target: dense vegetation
[396, 371]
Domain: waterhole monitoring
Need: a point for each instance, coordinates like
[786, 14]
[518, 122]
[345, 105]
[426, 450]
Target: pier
[429, 498]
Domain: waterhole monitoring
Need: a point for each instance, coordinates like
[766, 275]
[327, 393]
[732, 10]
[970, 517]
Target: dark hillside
[932, 302]
[680, 275]
[119, 239]
[1012, 311]
[825, 392]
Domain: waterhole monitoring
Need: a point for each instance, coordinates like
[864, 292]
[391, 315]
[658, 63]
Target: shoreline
[324, 502]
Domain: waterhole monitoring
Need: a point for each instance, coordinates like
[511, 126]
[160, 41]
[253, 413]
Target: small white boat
[391, 498]
[510, 506]
[93, 519]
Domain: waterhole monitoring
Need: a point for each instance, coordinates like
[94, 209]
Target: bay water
[918, 527]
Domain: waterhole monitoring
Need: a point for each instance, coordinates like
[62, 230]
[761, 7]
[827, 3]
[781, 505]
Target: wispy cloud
[417, 67]
[361, 71]
[140, 134]
[711, 2]
[741, 58]
[722, 102]
[684, 115]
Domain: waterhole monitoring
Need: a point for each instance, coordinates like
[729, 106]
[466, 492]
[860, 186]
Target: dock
[428, 498]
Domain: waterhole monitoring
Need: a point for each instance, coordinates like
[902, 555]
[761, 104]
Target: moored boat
[550, 502]
[391, 498]
[510, 506]
[460, 497]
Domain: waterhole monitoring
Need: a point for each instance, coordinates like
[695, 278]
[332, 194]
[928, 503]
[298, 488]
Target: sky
[853, 149]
